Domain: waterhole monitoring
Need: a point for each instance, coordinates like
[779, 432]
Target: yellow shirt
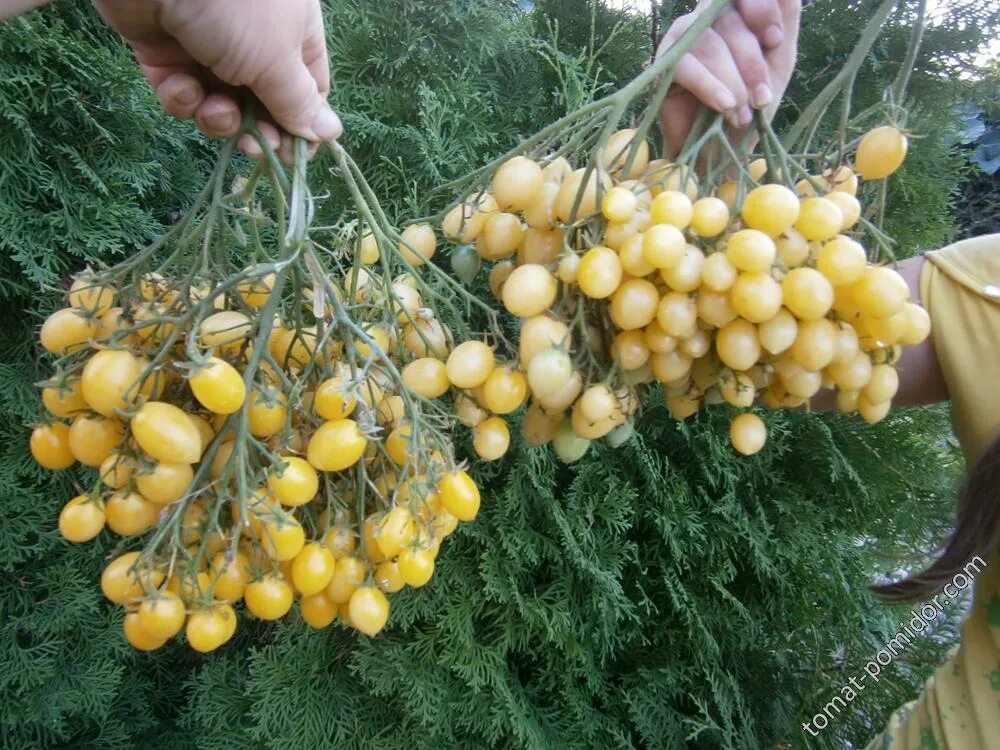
[959, 708]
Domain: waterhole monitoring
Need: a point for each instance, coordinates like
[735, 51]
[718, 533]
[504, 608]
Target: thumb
[289, 92]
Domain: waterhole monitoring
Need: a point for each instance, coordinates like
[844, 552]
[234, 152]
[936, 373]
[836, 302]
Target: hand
[195, 52]
[743, 62]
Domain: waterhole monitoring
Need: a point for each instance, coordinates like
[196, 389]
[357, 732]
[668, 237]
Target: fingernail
[762, 95]
[222, 122]
[327, 125]
[773, 36]
[724, 99]
[745, 116]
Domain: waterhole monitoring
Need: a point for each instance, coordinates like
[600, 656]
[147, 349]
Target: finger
[314, 53]
[218, 116]
[710, 73]
[179, 93]
[268, 132]
[290, 93]
[676, 115]
[764, 19]
[746, 52]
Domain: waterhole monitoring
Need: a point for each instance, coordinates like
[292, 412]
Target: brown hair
[977, 532]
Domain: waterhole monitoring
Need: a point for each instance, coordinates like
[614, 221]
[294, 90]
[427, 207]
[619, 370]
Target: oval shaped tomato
[166, 433]
[81, 519]
[165, 483]
[120, 583]
[336, 445]
[312, 569]
[65, 399]
[93, 439]
[207, 629]
[218, 387]
[107, 377]
[369, 610]
[318, 610]
[283, 538]
[416, 566]
[269, 598]
[295, 483]
[162, 616]
[459, 495]
[230, 577]
[138, 637]
[266, 414]
[67, 330]
[129, 513]
[347, 576]
[50, 446]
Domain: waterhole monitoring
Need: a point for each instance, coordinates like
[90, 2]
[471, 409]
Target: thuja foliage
[667, 594]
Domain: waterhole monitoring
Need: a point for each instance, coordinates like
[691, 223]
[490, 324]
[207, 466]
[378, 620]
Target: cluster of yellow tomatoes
[307, 473]
[622, 275]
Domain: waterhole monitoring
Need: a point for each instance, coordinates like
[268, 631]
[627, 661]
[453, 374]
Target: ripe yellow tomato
[332, 401]
[778, 333]
[93, 439]
[228, 329]
[718, 272]
[318, 610]
[563, 398]
[394, 530]
[500, 237]
[336, 445]
[842, 260]
[772, 209]
[630, 254]
[918, 325]
[539, 246]
[537, 427]
[138, 637]
[81, 519]
[882, 386]
[685, 275]
[756, 296]
[162, 616]
[166, 433]
[295, 483]
[737, 345]
[65, 399]
[807, 293]
[416, 566]
[129, 513]
[624, 148]
[388, 578]
[880, 292]
[738, 389]
[426, 376]
[67, 330]
[491, 438]
[268, 598]
[630, 349]
[88, 294]
[459, 495]
[663, 245]
[530, 290]
[751, 250]
[634, 304]
[748, 433]
[417, 244]
[255, 292]
[842, 179]
[341, 541]
[462, 223]
[282, 538]
[676, 314]
[682, 405]
[369, 610]
[517, 183]
[120, 583]
[549, 371]
[880, 152]
[673, 208]
[505, 390]
[229, 578]
[312, 569]
[218, 386]
[347, 576]
[709, 217]
[538, 334]
[872, 413]
[850, 208]
[267, 413]
[815, 344]
[600, 272]
[539, 215]
[576, 192]
[793, 248]
[714, 308]
[470, 364]
[618, 204]
[670, 366]
[208, 629]
[50, 446]
[165, 483]
[819, 219]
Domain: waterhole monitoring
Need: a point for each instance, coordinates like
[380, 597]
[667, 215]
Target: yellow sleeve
[960, 287]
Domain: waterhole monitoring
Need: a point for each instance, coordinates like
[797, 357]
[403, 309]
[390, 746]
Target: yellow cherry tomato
[369, 610]
[50, 446]
[67, 330]
[166, 433]
[459, 495]
[312, 569]
[218, 387]
[93, 439]
[269, 598]
[336, 445]
[81, 519]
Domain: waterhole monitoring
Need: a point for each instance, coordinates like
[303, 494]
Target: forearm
[11, 8]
